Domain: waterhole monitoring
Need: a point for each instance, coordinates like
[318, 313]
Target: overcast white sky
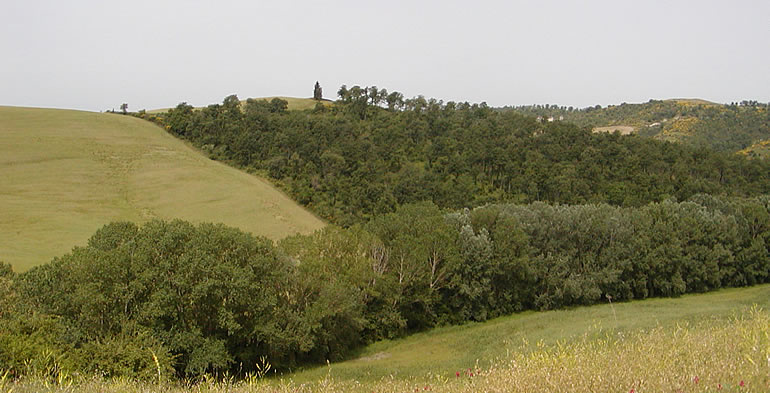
[96, 54]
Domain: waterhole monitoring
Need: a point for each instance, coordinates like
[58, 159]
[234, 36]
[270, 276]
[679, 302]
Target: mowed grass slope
[64, 174]
[444, 351]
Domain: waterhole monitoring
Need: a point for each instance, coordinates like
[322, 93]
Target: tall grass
[711, 355]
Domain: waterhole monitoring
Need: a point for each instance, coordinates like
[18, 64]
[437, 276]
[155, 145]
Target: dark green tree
[317, 92]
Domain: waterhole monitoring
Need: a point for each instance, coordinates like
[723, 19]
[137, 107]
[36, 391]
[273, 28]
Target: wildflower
[719, 386]
[632, 391]
[457, 374]
[741, 384]
[696, 379]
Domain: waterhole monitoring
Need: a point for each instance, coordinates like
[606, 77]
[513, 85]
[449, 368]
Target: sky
[95, 55]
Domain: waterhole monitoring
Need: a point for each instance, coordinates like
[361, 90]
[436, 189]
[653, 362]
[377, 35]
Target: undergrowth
[707, 356]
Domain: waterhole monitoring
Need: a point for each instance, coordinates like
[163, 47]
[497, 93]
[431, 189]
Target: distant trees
[124, 108]
[718, 127]
[317, 92]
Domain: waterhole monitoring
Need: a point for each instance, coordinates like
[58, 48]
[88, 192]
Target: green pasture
[444, 351]
[64, 174]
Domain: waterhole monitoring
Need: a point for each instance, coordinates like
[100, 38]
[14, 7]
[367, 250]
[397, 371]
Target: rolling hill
[695, 122]
[67, 173]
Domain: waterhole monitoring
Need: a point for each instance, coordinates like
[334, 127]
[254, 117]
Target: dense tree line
[209, 298]
[374, 151]
[696, 123]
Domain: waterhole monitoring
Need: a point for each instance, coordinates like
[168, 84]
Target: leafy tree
[422, 247]
[211, 294]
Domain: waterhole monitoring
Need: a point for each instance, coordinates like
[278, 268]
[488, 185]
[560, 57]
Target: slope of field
[67, 173]
[295, 103]
[692, 101]
[623, 130]
[441, 352]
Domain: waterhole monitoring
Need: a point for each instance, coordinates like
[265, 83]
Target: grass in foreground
[714, 355]
[443, 351]
[67, 173]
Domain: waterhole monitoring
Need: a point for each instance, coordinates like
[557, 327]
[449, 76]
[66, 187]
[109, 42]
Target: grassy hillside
[67, 173]
[443, 351]
[295, 103]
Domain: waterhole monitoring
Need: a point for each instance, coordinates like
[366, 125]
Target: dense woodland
[448, 213]
[374, 151]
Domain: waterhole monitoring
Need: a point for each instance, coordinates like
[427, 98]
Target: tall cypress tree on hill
[317, 92]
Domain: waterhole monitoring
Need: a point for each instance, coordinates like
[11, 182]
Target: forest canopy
[374, 151]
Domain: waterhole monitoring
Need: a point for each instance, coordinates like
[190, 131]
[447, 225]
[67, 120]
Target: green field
[64, 174]
[295, 103]
[443, 351]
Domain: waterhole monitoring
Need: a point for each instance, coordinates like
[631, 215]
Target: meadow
[443, 351]
[67, 173]
[697, 343]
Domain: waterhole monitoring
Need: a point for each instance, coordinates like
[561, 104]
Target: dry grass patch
[623, 130]
[294, 103]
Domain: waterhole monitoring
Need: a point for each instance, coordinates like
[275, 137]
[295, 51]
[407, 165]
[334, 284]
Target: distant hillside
[691, 121]
[67, 173]
[294, 103]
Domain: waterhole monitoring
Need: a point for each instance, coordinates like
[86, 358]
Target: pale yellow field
[64, 174]
[624, 130]
[295, 103]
